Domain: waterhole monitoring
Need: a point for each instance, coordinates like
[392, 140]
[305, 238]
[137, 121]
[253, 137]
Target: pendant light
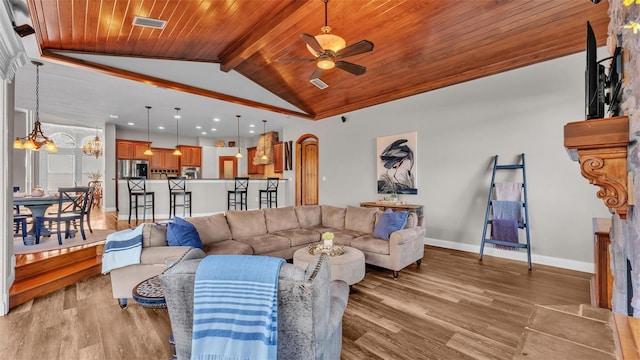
[177, 151]
[264, 141]
[36, 139]
[148, 152]
[238, 155]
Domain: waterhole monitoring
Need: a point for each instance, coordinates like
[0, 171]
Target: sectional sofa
[276, 232]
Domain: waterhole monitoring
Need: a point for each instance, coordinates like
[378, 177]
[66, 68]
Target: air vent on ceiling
[319, 83]
[148, 22]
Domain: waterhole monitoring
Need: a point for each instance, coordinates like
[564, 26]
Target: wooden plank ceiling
[420, 45]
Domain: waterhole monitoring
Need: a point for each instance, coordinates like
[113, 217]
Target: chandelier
[36, 139]
[93, 147]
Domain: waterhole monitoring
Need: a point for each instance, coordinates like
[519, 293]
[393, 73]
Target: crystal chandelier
[93, 147]
[36, 139]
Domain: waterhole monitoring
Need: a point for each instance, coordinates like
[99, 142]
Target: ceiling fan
[328, 50]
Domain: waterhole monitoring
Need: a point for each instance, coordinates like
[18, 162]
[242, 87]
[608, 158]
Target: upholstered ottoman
[348, 267]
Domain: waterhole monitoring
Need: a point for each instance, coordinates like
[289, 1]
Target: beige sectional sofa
[276, 232]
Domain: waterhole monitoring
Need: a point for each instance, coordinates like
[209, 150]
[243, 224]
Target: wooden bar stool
[239, 190]
[138, 188]
[178, 188]
[269, 196]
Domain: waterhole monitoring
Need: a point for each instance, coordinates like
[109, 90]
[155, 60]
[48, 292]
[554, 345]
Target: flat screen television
[602, 88]
[594, 73]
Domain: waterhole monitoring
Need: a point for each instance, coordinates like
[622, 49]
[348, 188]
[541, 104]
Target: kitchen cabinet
[131, 149]
[163, 159]
[253, 169]
[278, 157]
[191, 155]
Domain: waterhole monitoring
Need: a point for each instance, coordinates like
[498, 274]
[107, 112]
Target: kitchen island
[208, 196]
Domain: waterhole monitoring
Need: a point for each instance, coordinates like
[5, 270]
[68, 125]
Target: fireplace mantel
[600, 145]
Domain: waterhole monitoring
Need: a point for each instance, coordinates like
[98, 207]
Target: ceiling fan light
[329, 42]
[326, 64]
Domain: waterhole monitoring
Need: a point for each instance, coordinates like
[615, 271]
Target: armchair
[310, 309]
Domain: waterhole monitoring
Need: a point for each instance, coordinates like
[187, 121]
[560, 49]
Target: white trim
[583, 266]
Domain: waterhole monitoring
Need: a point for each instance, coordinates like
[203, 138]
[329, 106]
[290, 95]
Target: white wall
[460, 129]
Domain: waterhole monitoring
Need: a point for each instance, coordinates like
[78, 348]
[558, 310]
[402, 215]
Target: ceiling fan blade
[295, 60]
[355, 69]
[360, 47]
[316, 74]
[313, 43]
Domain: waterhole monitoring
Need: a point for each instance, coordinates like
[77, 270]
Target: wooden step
[627, 335]
[42, 273]
[44, 262]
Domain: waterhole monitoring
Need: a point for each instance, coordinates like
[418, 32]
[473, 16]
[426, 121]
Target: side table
[348, 267]
[149, 294]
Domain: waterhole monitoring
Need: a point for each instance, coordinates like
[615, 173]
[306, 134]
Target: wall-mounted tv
[602, 88]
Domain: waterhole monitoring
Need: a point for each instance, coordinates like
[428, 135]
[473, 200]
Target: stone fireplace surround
[625, 233]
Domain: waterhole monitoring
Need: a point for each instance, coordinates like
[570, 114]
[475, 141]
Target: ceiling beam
[265, 33]
[151, 80]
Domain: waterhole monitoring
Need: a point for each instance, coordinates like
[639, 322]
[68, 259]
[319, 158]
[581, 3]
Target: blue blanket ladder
[521, 224]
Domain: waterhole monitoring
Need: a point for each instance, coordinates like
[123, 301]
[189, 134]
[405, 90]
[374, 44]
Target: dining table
[38, 206]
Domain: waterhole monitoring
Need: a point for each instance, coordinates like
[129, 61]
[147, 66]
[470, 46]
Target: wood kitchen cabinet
[163, 159]
[278, 157]
[191, 155]
[131, 149]
[251, 168]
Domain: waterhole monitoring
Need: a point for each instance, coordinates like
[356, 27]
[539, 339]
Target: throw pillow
[183, 233]
[389, 222]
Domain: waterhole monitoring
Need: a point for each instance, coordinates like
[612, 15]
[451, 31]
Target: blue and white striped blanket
[235, 308]
[122, 248]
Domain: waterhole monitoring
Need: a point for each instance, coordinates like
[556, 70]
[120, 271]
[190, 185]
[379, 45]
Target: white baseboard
[514, 255]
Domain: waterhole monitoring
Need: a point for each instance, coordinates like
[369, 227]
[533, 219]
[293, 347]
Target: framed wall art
[396, 157]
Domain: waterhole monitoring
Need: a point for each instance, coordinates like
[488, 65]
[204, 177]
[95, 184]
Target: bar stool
[269, 195]
[138, 188]
[178, 187]
[239, 190]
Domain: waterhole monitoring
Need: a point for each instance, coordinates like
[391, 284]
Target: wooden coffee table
[348, 267]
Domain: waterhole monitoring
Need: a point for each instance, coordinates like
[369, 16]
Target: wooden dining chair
[72, 208]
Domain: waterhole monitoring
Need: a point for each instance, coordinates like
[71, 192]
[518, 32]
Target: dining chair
[20, 221]
[72, 207]
[138, 189]
[239, 190]
[178, 188]
[269, 196]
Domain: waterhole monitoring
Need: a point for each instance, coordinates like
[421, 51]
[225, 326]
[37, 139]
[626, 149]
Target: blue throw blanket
[235, 308]
[507, 210]
[122, 248]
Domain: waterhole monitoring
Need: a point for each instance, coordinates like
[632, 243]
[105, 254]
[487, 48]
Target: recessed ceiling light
[161, 127]
[198, 127]
[214, 129]
[114, 116]
[130, 124]
[216, 119]
[251, 131]
[204, 133]
[252, 125]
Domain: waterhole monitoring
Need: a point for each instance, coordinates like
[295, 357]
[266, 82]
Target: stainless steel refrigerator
[132, 168]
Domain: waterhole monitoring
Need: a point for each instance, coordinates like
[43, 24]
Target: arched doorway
[307, 148]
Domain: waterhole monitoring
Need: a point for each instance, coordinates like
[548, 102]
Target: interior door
[307, 170]
[228, 167]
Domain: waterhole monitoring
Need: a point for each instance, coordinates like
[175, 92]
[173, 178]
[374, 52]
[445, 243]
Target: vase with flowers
[327, 240]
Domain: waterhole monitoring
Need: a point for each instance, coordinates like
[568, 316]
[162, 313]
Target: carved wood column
[601, 148]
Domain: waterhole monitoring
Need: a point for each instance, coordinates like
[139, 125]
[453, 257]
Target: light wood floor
[452, 307]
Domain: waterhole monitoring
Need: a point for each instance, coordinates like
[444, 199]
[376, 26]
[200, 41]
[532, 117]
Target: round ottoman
[348, 267]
